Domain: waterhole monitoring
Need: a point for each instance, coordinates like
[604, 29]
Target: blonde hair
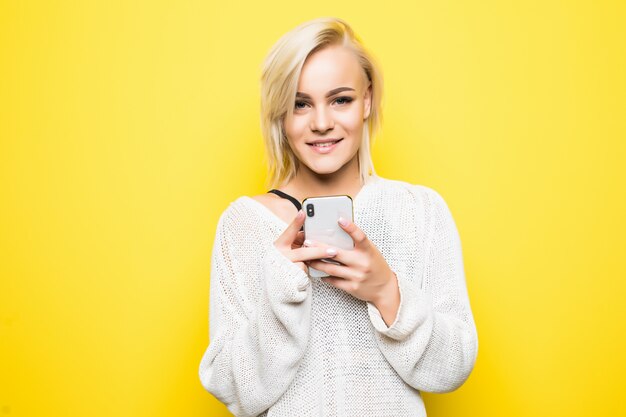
[279, 83]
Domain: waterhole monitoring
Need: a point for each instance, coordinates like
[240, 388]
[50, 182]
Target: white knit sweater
[284, 344]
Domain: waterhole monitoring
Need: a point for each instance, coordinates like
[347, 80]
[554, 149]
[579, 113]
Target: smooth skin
[363, 272]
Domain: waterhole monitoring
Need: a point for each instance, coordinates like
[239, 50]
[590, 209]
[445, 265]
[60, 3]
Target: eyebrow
[330, 93]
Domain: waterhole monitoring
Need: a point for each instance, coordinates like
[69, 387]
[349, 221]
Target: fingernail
[343, 221]
[331, 251]
[300, 213]
[307, 242]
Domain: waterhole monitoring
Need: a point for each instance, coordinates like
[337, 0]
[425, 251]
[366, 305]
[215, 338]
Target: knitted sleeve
[255, 346]
[433, 342]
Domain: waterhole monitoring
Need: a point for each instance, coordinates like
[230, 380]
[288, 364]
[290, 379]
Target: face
[332, 103]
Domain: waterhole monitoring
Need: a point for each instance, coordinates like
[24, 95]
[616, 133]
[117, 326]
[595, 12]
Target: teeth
[325, 145]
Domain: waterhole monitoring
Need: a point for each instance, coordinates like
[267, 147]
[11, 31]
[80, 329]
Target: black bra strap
[288, 197]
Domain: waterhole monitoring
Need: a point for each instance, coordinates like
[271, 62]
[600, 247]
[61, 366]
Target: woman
[391, 320]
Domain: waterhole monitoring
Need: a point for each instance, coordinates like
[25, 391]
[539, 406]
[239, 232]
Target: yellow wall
[127, 127]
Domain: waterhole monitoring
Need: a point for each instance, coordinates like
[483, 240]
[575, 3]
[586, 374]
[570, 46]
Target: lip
[323, 140]
[326, 149]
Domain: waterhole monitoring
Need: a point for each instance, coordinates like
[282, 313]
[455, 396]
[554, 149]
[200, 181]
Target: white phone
[320, 224]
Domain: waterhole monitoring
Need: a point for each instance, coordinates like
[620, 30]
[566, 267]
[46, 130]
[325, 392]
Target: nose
[321, 121]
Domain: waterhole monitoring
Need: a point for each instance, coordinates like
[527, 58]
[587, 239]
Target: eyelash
[346, 99]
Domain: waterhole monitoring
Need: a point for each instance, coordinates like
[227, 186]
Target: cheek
[352, 121]
[295, 128]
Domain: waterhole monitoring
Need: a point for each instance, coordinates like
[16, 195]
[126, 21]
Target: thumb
[291, 232]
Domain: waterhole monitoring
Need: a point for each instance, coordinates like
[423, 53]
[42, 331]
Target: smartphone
[320, 224]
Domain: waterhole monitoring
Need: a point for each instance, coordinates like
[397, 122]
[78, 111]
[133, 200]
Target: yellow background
[127, 127]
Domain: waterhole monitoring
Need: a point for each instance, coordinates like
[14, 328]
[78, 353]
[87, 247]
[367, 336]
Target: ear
[367, 102]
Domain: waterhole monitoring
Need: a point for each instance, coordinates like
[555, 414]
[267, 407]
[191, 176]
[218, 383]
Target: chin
[326, 168]
[326, 164]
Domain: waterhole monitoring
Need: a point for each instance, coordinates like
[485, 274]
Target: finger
[291, 232]
[343, 284]
[310, 253]
[357, 235]
[340, 271]
[299, 240]
[345, 256]
[303, 266]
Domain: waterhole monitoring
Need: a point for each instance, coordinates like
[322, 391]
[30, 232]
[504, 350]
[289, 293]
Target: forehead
[328, 68]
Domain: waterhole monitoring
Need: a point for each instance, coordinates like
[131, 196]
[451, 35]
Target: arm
[432, 343]
[255, 348]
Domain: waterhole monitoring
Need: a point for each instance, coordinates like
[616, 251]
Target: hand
[364, 273]
[289, 243]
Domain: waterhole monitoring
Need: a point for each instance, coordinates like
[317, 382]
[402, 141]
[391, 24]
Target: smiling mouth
[324, 144]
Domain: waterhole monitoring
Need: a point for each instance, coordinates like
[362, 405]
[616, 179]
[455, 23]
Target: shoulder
[253, 215]
[278, 207]
[239, 214]
[425, 201]
[274, 203]
[431, 206]
[264, 199]
[419, 193]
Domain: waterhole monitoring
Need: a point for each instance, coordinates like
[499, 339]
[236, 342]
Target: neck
[308, 183]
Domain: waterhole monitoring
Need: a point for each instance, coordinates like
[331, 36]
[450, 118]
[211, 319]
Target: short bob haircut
[279, 83]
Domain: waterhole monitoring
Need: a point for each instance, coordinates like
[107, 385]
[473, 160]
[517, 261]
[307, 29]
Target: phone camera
[309, 210]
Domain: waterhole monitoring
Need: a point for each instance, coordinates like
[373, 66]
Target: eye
[298, 103]
[345, 99]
